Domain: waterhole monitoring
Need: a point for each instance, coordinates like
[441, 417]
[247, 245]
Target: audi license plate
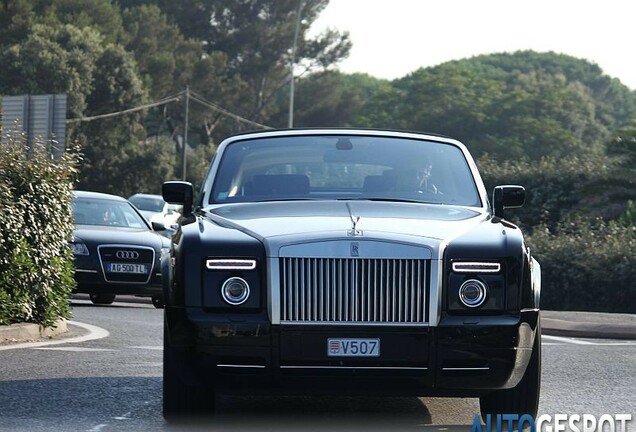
[353, 347]
[128, 268]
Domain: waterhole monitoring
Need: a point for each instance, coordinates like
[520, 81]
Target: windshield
[95, 211]
[152, 204]
[344, 167]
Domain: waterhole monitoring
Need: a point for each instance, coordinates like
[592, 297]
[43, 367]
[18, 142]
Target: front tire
[157, 301]
[181, 401]
[102, 299]
[522, 399]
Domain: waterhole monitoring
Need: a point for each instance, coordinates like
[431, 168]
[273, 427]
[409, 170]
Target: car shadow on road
[320, 413]
[74, 404]
[134, 403]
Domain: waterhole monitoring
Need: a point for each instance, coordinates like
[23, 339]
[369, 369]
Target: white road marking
[97, 428]
[75, 349]
[94, 333]
[146, 365]
[567, 339]
[148, 347]
[124, 417]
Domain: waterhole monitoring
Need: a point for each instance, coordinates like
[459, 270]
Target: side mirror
[507, 196]
[178, 192]
[157, 226]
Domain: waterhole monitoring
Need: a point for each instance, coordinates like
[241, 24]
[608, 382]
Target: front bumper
[245, 354]
[93, 282]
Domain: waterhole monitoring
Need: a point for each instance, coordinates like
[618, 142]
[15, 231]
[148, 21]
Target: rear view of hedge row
[36, 265]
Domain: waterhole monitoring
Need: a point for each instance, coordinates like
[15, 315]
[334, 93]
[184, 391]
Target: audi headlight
[78, 248]
[165, 251]
[235, 291]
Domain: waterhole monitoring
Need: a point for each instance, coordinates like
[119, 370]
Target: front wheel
[102, 299]
[522, 399]
[157, 301]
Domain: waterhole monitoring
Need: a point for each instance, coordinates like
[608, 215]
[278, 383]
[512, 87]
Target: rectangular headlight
[230, 264]
[476, 267]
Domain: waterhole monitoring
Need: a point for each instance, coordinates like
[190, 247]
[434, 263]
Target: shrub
[36, 265]
[556, 189]
[587, 265]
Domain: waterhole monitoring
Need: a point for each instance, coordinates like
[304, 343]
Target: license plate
[353, 347]
[128, 268]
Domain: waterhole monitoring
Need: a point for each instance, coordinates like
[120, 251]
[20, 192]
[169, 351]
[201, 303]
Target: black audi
[116, 250]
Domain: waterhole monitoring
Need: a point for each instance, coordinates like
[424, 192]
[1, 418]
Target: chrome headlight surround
[235, 291]
[473, 293]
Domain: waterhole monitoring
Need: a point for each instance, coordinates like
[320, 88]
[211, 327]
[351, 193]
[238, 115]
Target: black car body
[116, 249]
[349, 262]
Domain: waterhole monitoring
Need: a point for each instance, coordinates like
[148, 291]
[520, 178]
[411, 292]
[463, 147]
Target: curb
[557, 327]
[29, 331]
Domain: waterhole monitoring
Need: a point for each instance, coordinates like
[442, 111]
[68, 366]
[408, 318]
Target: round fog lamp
[472, 293]
[235, 291]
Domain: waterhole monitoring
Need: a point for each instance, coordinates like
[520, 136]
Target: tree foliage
[549, 121]
[517, 105]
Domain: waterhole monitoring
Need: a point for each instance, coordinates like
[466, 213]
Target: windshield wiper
[388, 199]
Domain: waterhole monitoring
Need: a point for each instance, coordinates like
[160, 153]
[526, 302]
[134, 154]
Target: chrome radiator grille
[353, 290]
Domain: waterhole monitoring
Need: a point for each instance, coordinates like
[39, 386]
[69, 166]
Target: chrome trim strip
[465, 368]
[436, 283]
[86, 271]
[273, 289]
[355, 367]
[241, 366]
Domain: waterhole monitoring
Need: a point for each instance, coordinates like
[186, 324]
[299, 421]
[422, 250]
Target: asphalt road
[114, 384]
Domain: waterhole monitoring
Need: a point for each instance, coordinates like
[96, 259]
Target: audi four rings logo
[127, 254]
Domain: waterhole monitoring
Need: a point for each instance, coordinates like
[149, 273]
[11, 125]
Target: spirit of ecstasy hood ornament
[354, 231]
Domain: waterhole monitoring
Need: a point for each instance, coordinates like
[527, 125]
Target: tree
[256, 37]
[16, 18]
[329, 98]
[521, 105]
[52, 59]
[102, 16]
[112, 145]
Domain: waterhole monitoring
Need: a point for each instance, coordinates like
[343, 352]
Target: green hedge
[556, 189]
[587, 266]
[36, 265]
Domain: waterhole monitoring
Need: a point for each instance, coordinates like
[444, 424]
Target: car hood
[93, 234]
[302, 221]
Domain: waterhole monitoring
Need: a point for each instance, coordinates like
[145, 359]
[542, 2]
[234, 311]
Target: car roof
[144, 195]
[344, 131]
[97, 195]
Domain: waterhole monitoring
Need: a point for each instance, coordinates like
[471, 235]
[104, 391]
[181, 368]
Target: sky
[392, 38]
